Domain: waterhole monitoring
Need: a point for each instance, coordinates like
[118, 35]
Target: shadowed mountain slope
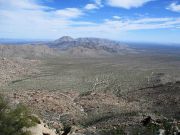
[90, 46]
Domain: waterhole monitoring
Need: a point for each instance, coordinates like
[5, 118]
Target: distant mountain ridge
[67, 46]
[67, 41]
[97, 46]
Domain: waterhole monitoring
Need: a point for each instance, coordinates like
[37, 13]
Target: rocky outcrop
[161, 126]
[41, 129]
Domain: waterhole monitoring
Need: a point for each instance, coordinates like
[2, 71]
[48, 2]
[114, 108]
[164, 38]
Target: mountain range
[67, 46]
[90, 46]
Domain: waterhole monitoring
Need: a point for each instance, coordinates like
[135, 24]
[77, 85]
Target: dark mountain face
[64, 39]
[92, 44]
[86, 42]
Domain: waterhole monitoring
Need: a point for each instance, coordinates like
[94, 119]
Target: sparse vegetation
[115, 131]
[14, 119]
[92, 93]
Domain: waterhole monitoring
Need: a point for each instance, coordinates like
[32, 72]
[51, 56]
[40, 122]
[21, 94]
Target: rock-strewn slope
[72, 108]
[27, 51]
[13, 69]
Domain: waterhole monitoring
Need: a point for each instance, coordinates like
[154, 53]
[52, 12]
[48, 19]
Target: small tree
[13, 120]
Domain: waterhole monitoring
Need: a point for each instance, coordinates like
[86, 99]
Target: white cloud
[153, 20]
[114, 28]
[37, 22]
[91, 6]
[22, 4]
[127, 4]
[69, 12]
[29, 19]
[116, 17]
[98, 2]
[96, 5]
[174, 7]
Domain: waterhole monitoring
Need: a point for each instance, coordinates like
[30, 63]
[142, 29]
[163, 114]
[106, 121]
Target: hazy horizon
[28, 40]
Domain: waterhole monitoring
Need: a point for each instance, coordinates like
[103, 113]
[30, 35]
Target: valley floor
[95, 94]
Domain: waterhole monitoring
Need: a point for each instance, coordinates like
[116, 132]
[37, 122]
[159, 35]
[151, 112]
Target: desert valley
[93, 86]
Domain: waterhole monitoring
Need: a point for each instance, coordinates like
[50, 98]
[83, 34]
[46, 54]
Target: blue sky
[123, 20]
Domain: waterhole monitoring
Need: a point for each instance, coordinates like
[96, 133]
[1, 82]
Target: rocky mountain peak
[65, 39]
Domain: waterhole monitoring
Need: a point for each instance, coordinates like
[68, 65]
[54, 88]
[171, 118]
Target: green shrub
[115, 131]
[14, 119]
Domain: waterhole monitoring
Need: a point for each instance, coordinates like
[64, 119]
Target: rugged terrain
[96, 95]
[28, 51]
[13, 69]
